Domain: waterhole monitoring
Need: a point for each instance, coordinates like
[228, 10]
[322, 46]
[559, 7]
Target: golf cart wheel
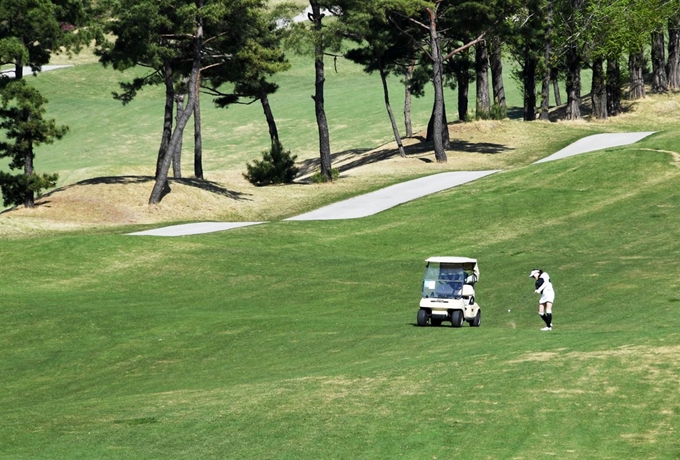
[478, 319]
[457, 318]
[422, 317]
[435, 321]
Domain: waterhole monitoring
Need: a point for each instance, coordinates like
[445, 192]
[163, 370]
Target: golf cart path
[386, 198]
[28, 71]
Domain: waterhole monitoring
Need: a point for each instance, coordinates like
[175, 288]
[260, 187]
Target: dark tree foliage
[24, 127]
[31, 31]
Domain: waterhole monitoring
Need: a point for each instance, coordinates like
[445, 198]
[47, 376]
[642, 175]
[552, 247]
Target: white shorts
[547, 296]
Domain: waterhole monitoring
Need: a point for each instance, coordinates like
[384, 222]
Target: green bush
[498, 112]
[319, 178]
[482, 115]
[276, 167]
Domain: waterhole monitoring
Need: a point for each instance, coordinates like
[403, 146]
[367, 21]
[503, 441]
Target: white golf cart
[449, 293]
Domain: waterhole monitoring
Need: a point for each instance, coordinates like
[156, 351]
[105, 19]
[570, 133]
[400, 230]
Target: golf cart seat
[448, 289]
[468, 293]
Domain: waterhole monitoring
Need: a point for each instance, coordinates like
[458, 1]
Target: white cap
[534, 273]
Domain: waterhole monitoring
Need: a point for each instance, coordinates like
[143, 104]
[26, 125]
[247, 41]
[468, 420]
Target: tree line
[229, 50]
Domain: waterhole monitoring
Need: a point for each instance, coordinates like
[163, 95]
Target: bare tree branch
[464, 47]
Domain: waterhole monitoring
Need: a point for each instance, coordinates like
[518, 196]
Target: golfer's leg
[541, 312]
[548, 314]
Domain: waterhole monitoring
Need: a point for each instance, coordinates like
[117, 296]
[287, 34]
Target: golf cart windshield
[443, 281]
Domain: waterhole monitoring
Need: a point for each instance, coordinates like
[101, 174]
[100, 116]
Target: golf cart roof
[452, 260]
[465, 262]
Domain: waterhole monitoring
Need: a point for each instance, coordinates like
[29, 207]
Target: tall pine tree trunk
[407, 98]
[321, 121]
[598, 94]
[529, 84]
[483, 99]
[573, 83]
[463, 84]
[555, 81]
[29, 198]
[659, 79]
[269, 116]
[386, 95]
[177, 152]
[637, 83]
[198, 135]
[445, 127]
[496, 64]
[167, 115]
[437, 80]
[673, 69]
[161, 183]
[613, 87]
[547, 56]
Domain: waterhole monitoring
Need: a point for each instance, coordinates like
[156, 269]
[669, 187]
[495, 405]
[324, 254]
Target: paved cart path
[386, 198]
[380, 200]
[28, 71]
[596, 142]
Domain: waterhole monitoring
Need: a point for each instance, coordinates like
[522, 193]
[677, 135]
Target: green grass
[296, 340]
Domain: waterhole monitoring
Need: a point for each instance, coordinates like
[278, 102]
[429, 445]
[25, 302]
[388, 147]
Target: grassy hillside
[297, 340]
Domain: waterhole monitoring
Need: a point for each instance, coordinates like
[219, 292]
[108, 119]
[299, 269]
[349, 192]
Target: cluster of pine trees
[200, 47]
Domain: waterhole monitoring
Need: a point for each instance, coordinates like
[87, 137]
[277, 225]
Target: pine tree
[21, 121]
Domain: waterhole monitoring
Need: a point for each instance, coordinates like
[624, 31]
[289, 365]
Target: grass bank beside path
[297, 340]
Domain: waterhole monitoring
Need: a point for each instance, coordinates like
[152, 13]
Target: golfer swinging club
[545, 288]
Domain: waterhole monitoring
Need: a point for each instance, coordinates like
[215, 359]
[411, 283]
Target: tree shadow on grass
[485, 148]
[213, 187]
[350, 159]
[208, 186]
[312, 165]
[559, 113]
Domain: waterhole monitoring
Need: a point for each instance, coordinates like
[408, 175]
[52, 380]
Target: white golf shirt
[545, 289]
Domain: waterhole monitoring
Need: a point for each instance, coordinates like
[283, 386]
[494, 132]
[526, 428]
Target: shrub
[498, 112]
[319, 178]
[276, 167]
[15, 188]
[482, 115]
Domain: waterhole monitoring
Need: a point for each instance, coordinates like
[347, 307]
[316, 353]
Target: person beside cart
[545, 288]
